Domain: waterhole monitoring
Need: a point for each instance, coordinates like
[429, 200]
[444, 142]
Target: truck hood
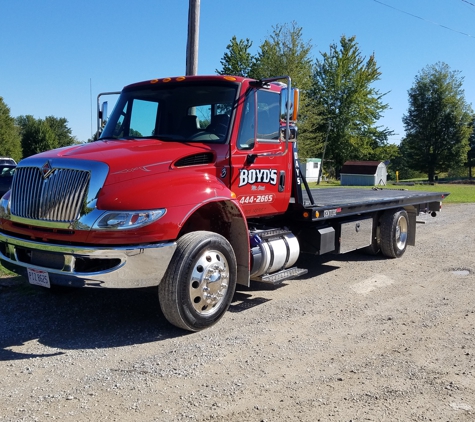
[131, 159]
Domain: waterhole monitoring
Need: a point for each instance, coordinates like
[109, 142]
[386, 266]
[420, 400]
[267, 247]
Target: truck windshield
[173, 112]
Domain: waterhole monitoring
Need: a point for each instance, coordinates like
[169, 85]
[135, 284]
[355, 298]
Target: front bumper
[82, 266]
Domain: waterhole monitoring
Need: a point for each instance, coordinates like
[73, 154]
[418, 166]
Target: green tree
[438, 121]
[237, 60]
[63, 133]
[311, 140]
[285, 52]
[38, 135]
[10, 141]
[343, 88]
[399, 163]
[471, 152]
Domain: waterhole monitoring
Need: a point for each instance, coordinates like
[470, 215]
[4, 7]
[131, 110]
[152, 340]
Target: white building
[363, 173]
[311, 169]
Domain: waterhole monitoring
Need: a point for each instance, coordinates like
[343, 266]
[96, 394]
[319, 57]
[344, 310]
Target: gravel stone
[358, 338]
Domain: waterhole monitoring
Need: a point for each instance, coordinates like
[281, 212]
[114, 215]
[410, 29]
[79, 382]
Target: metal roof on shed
[360, 167]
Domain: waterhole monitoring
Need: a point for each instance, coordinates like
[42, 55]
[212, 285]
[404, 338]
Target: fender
[226, 217]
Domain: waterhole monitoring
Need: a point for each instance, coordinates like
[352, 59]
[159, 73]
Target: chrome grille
[58, 197]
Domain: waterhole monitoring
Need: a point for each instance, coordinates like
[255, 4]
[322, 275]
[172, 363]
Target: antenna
[90, 95]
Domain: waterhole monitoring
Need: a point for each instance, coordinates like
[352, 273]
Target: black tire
[394, 231]
[200, 281]
[375, 246]
[372, 249]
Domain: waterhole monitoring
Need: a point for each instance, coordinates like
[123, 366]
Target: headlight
[124, 220]
[5, 205]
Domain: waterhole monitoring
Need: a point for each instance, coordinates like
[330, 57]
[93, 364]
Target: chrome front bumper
[79, 266]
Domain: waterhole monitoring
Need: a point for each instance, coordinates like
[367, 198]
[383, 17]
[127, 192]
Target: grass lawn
[459, 194]
[5, 273]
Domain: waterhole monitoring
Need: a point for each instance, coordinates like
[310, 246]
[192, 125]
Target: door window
[267, 115]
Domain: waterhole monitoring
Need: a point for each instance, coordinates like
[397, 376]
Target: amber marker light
[233, 195]
[154, 81]
[166, 79]
[229, 78]
[305, 214]
[180, 78]
[317, 214]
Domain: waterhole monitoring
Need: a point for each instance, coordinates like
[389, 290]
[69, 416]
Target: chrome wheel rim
[401, 233]
[209, 282]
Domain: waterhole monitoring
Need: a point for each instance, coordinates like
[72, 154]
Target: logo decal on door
[257, 176]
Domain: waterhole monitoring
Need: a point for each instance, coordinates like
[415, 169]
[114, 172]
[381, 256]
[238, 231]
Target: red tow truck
[193, 186]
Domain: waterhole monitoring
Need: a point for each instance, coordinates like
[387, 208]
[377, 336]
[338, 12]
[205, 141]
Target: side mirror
[103, 114]
[296, 103]
[289, 99]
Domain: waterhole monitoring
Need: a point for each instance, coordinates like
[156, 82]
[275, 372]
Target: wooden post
[193, 37]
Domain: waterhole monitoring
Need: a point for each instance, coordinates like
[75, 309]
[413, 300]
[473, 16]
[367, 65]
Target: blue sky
[56, 53]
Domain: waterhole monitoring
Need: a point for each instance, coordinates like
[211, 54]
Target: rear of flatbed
[339, 220]
[323, 203]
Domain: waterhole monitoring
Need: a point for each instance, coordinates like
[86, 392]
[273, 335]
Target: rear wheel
[372, 249]
[394, 232]
[375, 246]
[199, 284]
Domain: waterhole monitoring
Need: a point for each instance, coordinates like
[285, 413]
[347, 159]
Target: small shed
[311, 169]
[363, 173]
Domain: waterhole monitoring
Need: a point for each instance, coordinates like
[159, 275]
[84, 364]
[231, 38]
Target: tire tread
[169, 287]
[388, 241]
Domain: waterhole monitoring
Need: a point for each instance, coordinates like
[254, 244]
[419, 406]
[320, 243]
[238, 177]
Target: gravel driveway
[359, 338]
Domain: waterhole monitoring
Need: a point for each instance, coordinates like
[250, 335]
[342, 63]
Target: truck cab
[234, 122]
[176, 157]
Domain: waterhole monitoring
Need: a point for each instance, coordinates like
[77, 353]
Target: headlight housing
[126, 220]
[5, 205]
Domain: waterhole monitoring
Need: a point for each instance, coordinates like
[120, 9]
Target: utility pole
[193, 36]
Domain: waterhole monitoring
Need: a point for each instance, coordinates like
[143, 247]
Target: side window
[209, 122]
[247, 135]
[203, 113]
[268, 116]
[268, 119]
[120, 124]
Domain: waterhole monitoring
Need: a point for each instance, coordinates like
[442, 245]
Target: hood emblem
[47, 170]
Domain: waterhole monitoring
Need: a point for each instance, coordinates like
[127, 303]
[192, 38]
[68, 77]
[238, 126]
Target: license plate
[38, 277]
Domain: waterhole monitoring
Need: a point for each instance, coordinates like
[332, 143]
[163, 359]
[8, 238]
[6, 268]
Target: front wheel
[199, 283]
[394, 232]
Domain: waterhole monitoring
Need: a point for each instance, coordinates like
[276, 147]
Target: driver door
[260, 174]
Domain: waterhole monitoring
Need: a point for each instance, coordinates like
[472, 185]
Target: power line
[468, 4]
[426, 20]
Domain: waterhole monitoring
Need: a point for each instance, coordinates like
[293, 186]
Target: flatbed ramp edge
[333, 202]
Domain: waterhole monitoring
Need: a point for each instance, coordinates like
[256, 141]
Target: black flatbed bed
[335, 202]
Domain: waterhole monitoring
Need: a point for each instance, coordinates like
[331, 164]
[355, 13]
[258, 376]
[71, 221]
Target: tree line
[23, 136]
[339, 112]
[340, 106]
